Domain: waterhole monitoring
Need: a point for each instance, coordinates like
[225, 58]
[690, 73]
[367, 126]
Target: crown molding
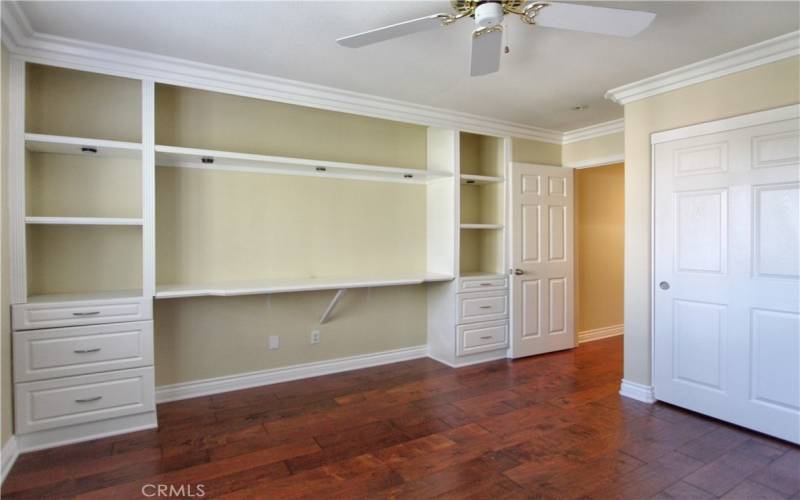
[592, 131]
[761, 53]
[24, 42]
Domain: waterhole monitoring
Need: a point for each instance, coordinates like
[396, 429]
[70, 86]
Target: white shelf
[479, 179]
[481, 226]
[41, 143]
[83, 296]
[232, 288]
[481, 275]
[84, 221]
[171, 156]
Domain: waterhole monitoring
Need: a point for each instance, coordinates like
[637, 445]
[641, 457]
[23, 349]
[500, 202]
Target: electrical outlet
[274, 342]
[315, 336]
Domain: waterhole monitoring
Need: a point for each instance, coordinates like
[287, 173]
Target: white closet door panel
[727, 275]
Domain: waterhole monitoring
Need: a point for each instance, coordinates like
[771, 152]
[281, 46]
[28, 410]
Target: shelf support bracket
[335, 300]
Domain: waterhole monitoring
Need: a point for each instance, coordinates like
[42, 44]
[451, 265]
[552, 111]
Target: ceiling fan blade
[487, 47]
[393, 31]
[602, 20]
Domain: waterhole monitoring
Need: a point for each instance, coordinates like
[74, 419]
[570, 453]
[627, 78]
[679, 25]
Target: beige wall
[769, 86]
[212, 336]
[606, 146]
[530, 151]
[599, 240]
[6, 386]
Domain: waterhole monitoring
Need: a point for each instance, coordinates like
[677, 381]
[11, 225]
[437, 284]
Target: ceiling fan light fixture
[488, 14]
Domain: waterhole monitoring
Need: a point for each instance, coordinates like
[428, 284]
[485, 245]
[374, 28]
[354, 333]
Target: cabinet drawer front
[78, 350]
[482, 307]
[482, 337]
[477, 285]
[74, 313]
[88, 398]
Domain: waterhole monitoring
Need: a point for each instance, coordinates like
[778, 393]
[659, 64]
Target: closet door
[727, 262]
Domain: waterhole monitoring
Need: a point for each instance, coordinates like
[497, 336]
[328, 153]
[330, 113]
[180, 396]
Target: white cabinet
[479, 306]
[78, 350]
[68, 401]
[482, 337]
[53, 314]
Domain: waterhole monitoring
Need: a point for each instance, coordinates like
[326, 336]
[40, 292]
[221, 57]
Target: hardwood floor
[552, 426]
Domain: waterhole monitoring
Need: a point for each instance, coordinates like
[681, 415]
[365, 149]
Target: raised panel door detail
[531, 233]
[531, 184]
[531, 308]
[701, 231]
[558, 233]
[776, 150]
[775, 358]
[558, 305]
[776, 250]
[699, 332]
[556, 186]
[702, 160]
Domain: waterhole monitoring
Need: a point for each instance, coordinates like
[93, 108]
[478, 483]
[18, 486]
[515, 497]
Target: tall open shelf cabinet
[127, 190]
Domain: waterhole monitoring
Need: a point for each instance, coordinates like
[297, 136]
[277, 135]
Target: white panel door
[727, 262]
[541, 253]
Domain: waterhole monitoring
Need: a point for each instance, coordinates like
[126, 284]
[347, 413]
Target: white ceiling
[547, 72]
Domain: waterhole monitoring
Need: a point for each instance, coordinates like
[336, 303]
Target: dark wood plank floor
[546, 427]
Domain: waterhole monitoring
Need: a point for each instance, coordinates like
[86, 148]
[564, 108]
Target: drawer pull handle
[486, 307]
[89, 400]
[90, 313]
[86, 351]
[486, 337]
[486, 284]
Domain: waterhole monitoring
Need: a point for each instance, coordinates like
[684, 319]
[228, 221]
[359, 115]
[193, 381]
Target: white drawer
[36, 315]
[482, 337]
[62, 352]
[474, 307]
[486, 284]
[75, 400]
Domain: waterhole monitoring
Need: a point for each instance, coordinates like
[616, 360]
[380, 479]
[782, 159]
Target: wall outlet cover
[315, 336]
[274, 342]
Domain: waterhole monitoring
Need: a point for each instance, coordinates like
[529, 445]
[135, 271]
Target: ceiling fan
[487, 38]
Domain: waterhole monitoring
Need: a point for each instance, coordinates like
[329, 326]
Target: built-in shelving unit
[481, 226]
[56, 144]
[229, 289]
[171, 156]
[470, 179]
[482, 205]
[85, 221]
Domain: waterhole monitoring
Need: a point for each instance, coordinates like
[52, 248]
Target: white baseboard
[175, 392]
[639, 392]
[471, 360]
[9, 453]
[600, 333]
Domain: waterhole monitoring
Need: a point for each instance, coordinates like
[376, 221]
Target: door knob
[664, 285]
[519, 272]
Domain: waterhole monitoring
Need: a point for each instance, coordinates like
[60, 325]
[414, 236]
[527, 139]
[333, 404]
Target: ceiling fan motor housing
[488, 14]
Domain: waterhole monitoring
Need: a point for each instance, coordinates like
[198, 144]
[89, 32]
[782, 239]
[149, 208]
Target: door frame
[712, 127]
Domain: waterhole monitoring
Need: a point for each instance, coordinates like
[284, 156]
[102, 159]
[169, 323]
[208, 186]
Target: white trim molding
[790, 112]
[592, 131]
[597, 162]
[22, 40]
[761, 53]
[600, 333]
[639, 392]
[9, 453]
[185, 390]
